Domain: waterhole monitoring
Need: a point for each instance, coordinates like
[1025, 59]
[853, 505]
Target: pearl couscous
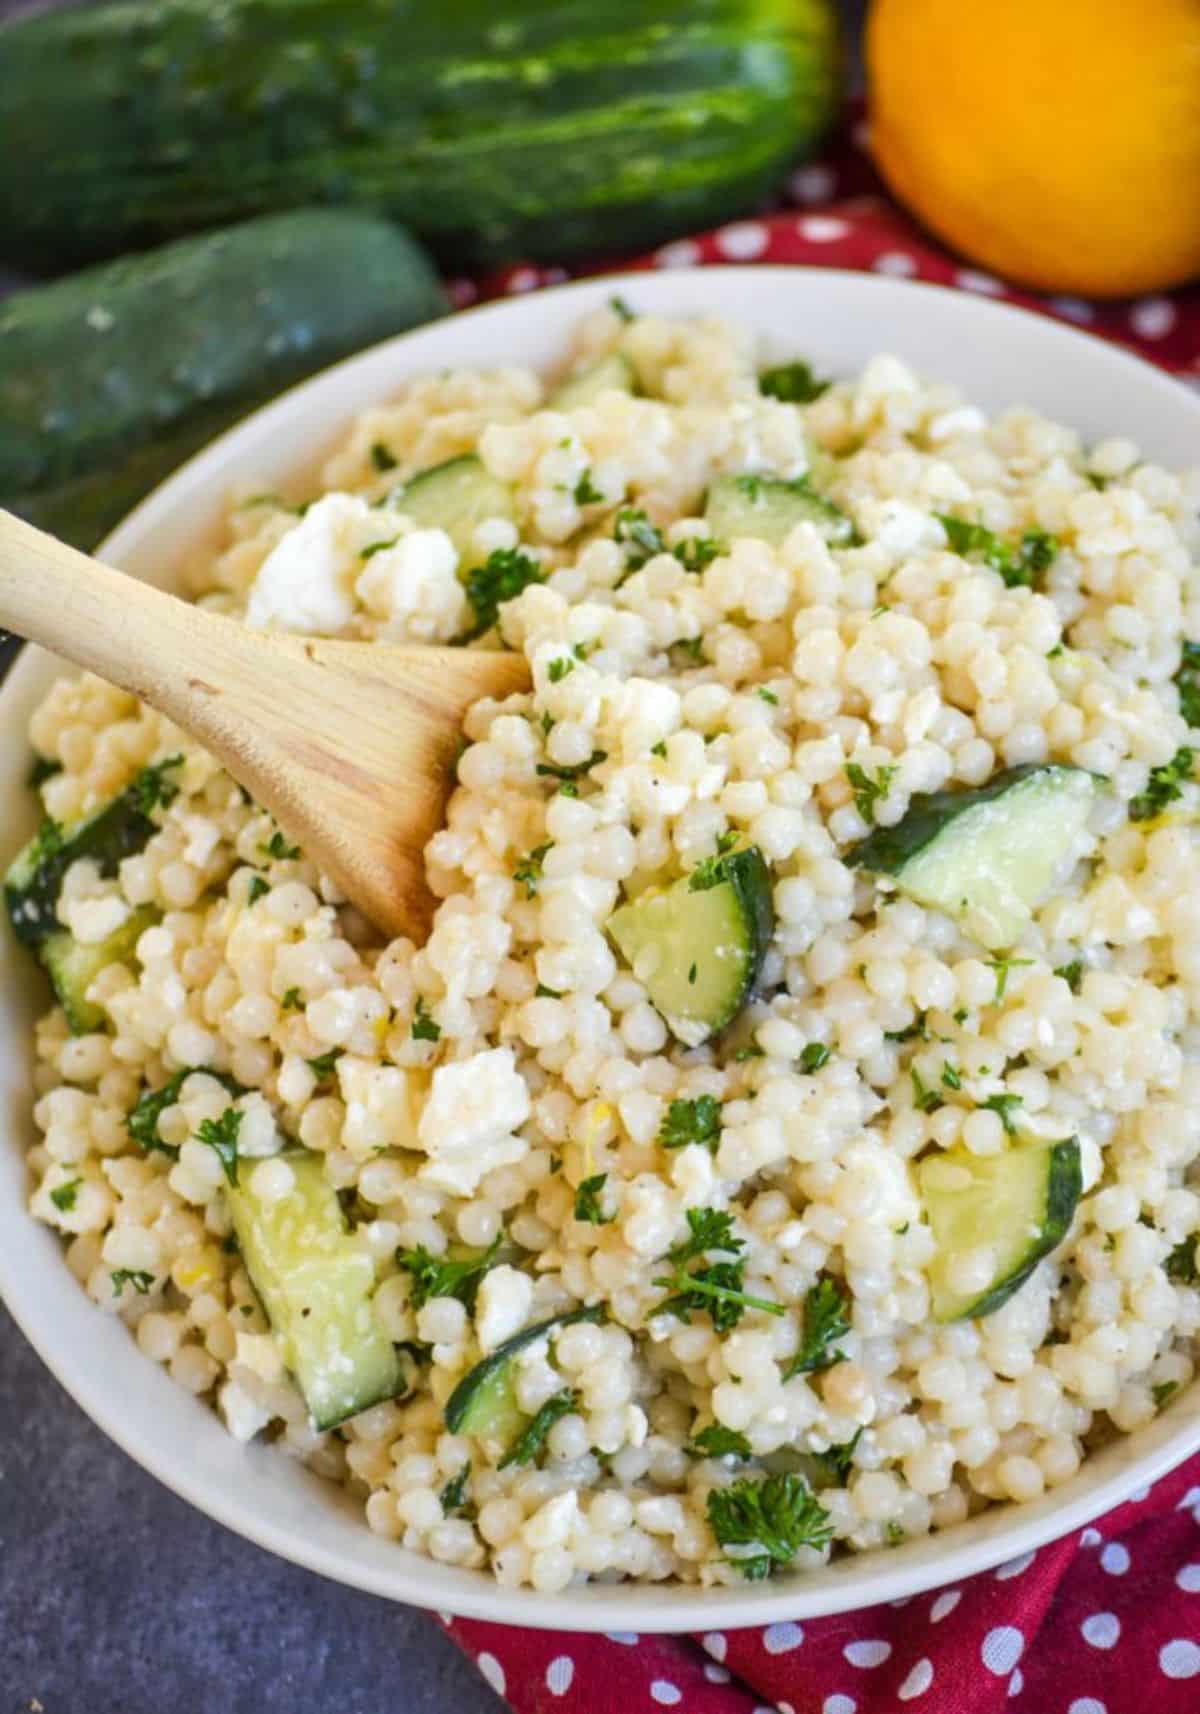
[784, 1351]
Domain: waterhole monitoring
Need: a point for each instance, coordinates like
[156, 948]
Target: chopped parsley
[258, 886]
[691, 647]
[693, 972]
[925, 1100]
[1181, 1265]
[826, 1320]
[769, 1520]
[64, 1197]
[587, 1201]
[322, 1065]
[713, 1288]
[278, 847]
[659, 749]
[711, 871]
[695, 553]
[794, 383]
[529, 870]
[1021, 566]
[814, 1056]
[152, 789]
[291, 1001]
[753, 1051]
[502, 577]
[382, 458]
[560, 667]
[621, 309]
[870, 790]
[555, 771]
[541, 992]
[1072, 974]
[697, 1121]
[425, 1027]
[767, 695]
[717, 1441]
[1162, 1392]
[41, 769]
[586, 493]
[1005, 1106]
[453, 1497]
[446, 1276]
[141, 1122]
[1002, 966]
[1164, 786]
[1187, 681]
[918, 1030]
[951, 1076]
[373, 548]
[527, 1445]
[638, 539]
[138, 1278]
[222, 1136]
[838, 1461]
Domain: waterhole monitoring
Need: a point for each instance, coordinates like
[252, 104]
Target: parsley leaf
[638, 539]
[767, 695]
[1187, 680]
[1005, 1105]
[717, 1441]
[711, 871]
[1002, 966]
[1163, 787]
[586, 492]
[715, 1288]
[446, 1276]
[925, 1100]
[322, 1065]
[587, 1201]
[826, 1320]
[559, 668]
[277, 846]
[776, 1516]
[576, 771]
[1162, 1392]
[258, 886]
[529, 1443]
[141, 1121]
[1021, 566]
[222, 1135]
[951, 1076]
[697, 1121]
[502, 577]
[64, 1197]
[710, 1229]
[138, 1278]
[838, 1461]
[794, 383]
[815, 1055]
[152, 789]
[918, 1030]
[529, 869]
[621, 309]
[382, 458]
[453, 1497]
[291, 1001]
[870, 790]
[41, 769]
[1182, 1265]
[424, 1026]
[696, 552]
[1072, 974]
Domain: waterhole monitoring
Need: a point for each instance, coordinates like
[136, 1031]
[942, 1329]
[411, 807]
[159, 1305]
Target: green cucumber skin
[751, 880]
[116, 831]
[558, 127]
[457, 1411]
[888, 849]
[111, 377]
[1064, 1172]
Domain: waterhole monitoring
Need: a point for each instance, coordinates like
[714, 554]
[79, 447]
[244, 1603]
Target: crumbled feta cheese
[259, 1353]
[306, 582]
[244, 1416]
[467, 1125]
[505, 1299]
[413, 586]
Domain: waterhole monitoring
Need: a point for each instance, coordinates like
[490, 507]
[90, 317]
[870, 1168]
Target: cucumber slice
[316, 1285]
[1019, 1205]
[484, 1401]
[72, 967]
[611, 374]
[770, 508]
[121, 827]
[990, 855]
[698, 944]
[455, 497]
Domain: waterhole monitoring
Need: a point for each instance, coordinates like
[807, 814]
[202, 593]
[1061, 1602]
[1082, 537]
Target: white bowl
[1000, 356]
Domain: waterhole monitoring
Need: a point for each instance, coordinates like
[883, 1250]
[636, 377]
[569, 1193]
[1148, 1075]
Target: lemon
[1056, 142]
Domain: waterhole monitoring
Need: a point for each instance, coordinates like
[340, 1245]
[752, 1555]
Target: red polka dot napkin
[839, 216]
[1106, 1621]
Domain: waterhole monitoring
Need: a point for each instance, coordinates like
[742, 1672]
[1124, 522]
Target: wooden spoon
[349, 745]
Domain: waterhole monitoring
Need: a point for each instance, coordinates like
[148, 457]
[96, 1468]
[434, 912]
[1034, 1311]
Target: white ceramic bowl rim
[999, 355]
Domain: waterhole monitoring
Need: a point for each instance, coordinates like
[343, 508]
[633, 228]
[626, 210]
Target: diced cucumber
[72, 966]
[484, 1401]
[316, 1283]
[35, 876]
[1018, 1206]
[698, 944]
[455, 497]
[770, 508]
[990, 855]
[611, 374]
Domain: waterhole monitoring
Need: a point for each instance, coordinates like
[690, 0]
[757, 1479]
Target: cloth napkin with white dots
[838, 215]
[1105, 1621]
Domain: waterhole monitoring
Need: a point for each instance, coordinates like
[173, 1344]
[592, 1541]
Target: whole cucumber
[109, 378]
[536, 127]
